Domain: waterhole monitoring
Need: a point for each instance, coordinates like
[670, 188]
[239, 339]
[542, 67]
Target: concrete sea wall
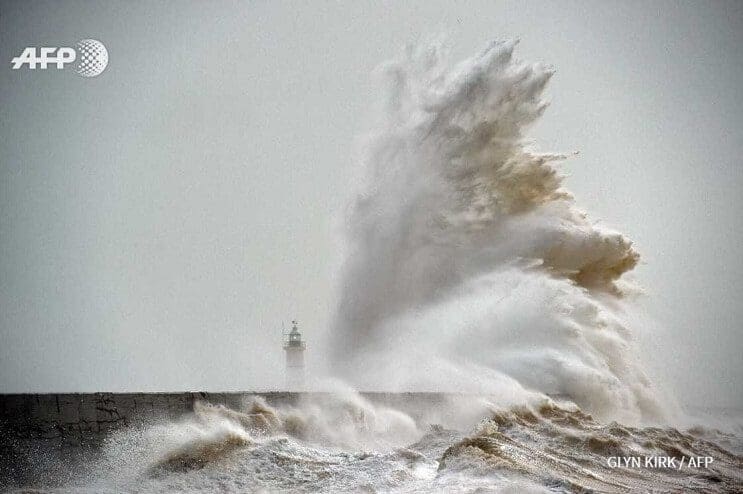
[39, 429]
[73, 419]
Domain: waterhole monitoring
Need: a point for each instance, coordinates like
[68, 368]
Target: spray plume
[469, 267]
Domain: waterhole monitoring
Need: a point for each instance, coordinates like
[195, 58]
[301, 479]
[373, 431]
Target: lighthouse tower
[294, 347]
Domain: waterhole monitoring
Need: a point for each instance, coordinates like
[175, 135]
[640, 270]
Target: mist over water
[469, 267]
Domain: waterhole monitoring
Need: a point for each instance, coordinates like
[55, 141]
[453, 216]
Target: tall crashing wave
[469, 267]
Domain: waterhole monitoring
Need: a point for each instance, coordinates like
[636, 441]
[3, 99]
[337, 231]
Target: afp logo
[91, 56]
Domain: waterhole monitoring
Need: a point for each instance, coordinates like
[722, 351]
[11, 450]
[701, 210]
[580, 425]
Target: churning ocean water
[344, 443]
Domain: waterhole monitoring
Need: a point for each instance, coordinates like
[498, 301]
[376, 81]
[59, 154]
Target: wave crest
[469, 265]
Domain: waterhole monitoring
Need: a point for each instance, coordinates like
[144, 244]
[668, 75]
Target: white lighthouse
[294, 348]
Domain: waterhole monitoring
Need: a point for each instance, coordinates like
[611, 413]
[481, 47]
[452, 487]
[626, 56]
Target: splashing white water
[469, 268]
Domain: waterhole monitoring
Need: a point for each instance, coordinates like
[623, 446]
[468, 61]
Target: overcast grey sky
[157, 223]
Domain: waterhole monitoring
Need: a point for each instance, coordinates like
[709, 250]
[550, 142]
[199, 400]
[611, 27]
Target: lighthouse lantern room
[294, 347]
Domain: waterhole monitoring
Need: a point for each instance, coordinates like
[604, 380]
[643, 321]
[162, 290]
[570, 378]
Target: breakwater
[36, 428]
[73, 419]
